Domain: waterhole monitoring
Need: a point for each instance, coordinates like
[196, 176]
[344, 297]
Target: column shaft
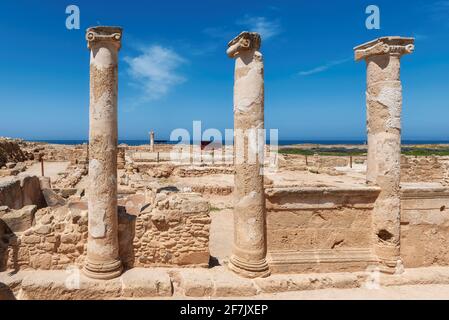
[103, 260]
[384, 107]
[249, 249]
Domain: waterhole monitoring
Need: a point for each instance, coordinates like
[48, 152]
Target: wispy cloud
[156, 70]
[265, 27]
[218, 33]
[324, 67]
[419, 36]
[439, 11]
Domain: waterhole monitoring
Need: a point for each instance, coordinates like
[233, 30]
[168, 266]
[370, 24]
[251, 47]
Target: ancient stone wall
[21, 192]
[425, 169]
[11, 151]
[425, 227]
[329, 230]
[301, 163]
[172, 231]
[73, 154]
[319, 229]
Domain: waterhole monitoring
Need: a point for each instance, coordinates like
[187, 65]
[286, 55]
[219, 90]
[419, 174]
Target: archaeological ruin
[106, 220]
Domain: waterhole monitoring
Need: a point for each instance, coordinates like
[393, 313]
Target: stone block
[20, 220]
[52, 198]
[228, 284]
[68, 285]
[196, 283]
[300, 282]
[146, 283]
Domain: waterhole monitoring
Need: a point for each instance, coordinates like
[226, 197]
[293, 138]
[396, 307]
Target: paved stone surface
[218, 282]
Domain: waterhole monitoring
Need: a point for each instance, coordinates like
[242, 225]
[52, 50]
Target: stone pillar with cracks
[103, 261]
[384, 107]
[250, 248]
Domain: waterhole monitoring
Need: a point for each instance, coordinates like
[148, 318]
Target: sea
[281, 142]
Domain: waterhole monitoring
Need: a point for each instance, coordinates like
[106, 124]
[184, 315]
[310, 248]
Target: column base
[389, 258]
[249, 269]
[391, 266]
[103, 270]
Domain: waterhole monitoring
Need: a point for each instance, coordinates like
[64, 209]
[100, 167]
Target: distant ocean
[281, 142]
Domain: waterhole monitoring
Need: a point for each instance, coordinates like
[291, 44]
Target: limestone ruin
[115, 221]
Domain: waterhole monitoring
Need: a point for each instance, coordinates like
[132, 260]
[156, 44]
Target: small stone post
[42, 167]
[103, 261]
[152, 141]
[384, 106]
[250, 248]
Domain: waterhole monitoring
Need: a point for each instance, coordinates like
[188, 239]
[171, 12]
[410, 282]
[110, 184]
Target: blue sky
[174, 70]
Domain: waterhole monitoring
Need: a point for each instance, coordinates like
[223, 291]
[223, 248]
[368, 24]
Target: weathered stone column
[384, 106]
[250, 249]
[103, 260]
[152, 141]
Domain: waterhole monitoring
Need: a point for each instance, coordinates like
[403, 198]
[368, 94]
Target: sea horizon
[281, 142]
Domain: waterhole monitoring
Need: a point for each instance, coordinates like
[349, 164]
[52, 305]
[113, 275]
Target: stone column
[103, 261]
[250, 249]
[152, 141]
[384, 106]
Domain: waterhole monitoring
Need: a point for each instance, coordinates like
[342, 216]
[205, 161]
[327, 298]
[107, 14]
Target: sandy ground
[51, 169]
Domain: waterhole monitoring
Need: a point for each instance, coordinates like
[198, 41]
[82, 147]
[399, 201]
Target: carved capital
[245, 41]
[386, 45]
[97, 35]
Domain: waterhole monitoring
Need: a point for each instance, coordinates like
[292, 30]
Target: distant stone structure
[152, 141]
[384, 107]
[103, 260]
[249, 250]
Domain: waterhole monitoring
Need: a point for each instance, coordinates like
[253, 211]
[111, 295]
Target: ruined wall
[294, 162]
[71, 177]
[329, 230]
[21, 192]
[319, 229]
[73, 154]
[425, 227]
[425, 169]
[11, 151]
[173, 231]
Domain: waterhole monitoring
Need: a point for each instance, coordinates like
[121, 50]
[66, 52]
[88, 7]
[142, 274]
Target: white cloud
[266, 28]
[323, 67]
[156, 70]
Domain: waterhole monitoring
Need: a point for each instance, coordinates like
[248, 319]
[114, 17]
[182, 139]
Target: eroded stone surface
[249, 250]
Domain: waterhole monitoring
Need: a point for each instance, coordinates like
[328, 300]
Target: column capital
[245, 41]
[386, 45]
[95, 35]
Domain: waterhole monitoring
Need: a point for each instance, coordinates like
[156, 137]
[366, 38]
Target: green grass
[324, 151]
[422, 152]
[343, 152]
[214, 209]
